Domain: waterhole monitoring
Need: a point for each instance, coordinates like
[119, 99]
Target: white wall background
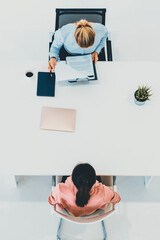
[134, 27]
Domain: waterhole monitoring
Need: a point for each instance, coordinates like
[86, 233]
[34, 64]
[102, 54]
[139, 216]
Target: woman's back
[66, 36]
[64, 196]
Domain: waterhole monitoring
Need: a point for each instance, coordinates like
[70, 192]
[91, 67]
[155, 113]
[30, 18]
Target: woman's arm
[103, 40]
[116, 198]
[54, 198]
[51, 200]
[57, 44]
[111, 196]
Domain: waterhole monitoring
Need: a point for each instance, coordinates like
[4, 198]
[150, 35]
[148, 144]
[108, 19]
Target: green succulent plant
[143, 93]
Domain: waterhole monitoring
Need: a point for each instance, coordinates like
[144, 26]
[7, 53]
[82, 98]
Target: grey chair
[67, 15]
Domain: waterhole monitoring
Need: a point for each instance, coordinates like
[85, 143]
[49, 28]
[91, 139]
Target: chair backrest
[97, 216]
[70, 15]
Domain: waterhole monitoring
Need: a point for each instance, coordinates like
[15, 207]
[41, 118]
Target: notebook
[46, 84]
[58, 119]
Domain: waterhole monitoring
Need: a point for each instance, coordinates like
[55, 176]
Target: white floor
[25, 212]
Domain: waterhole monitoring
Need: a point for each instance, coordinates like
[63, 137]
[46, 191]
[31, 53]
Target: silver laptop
[58, 119]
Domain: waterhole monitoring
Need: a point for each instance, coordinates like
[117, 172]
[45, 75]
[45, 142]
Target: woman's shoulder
[99, 188]
[67, 29]
[66, 188]
[67, 184]
[99, 27]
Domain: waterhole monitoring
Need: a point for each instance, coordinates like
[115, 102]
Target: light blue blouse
[65, 36]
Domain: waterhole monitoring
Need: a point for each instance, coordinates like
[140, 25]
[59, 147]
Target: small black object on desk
[29, 74]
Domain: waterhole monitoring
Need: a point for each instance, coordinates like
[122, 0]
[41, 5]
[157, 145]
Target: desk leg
[147, 180]
[53, 181]
[13, 181]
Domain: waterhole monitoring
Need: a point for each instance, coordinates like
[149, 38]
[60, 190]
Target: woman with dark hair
[81, 194]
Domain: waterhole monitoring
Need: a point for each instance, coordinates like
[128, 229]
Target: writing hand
[52, 64]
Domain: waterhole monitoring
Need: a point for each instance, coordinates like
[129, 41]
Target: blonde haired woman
[82, 37]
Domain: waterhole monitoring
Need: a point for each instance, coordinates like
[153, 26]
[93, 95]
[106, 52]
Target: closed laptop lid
[58, 119]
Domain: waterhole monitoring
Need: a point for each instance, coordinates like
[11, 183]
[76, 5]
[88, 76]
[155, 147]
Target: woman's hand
[95, 57]
[52, 64]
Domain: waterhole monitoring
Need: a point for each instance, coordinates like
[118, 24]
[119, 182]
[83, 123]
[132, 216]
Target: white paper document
[83, 64]
[75, 68]
[64, 72]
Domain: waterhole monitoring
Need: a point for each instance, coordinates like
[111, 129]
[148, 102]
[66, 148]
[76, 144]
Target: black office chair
[65, 16]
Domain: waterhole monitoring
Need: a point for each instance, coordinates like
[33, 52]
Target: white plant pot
[138, 102]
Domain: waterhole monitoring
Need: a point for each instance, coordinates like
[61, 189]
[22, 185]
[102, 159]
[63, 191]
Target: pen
[51, 69]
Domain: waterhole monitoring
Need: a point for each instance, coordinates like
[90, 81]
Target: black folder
[46, 84]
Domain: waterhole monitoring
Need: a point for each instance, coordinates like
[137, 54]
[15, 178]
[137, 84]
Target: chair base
[102, 224]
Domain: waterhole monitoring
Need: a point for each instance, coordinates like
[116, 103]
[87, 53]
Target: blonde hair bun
[84, 34]
[83, 23]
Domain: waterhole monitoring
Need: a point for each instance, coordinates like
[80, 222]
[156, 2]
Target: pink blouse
[64, 196]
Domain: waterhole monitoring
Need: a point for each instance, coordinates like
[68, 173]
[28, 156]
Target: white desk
[112, 133]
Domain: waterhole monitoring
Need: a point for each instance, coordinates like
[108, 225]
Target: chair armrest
[53, 181]
[51, 34]
[109, 47]
[109, 36]
[51, 38]
[116, 206]
[56, 179]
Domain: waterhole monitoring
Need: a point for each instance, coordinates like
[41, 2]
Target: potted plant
[141, 95]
